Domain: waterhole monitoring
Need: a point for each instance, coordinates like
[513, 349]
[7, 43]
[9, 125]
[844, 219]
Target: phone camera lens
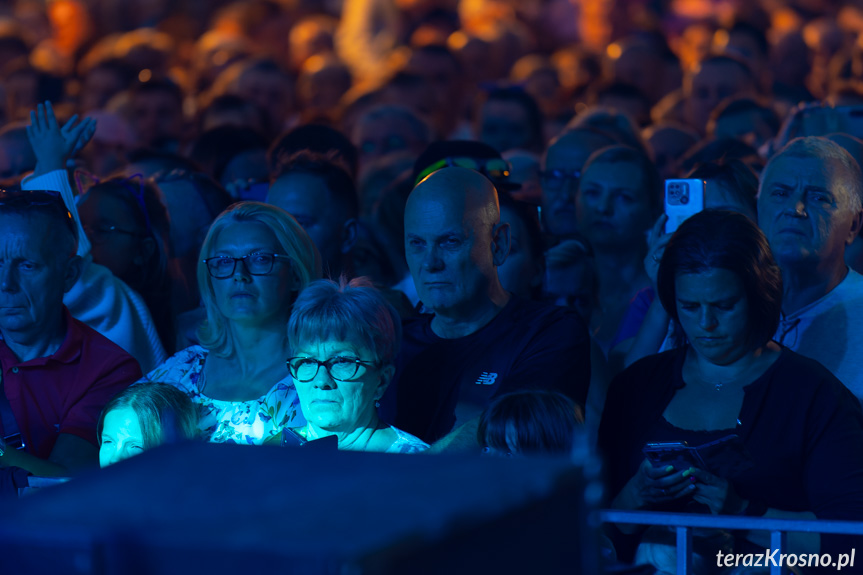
[684, 199]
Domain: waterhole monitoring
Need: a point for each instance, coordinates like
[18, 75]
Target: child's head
[144, 416]
[529, 422]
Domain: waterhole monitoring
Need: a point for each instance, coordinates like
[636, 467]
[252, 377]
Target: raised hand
[53, 145]
[656, 242]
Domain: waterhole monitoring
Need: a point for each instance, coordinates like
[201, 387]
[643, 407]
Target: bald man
[480, 341]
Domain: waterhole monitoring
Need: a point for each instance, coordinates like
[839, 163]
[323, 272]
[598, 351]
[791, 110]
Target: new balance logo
[486, 378]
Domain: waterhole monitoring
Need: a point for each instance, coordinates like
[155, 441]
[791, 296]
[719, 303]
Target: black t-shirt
[442, 383]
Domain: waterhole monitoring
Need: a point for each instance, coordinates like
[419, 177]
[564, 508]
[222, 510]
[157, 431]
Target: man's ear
[148, 248]
[349, 235]
[500, 243]
[856, 224]
[387, 374]
[73, 271]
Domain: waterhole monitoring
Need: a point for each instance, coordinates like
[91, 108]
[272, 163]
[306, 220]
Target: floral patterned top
[248, 422]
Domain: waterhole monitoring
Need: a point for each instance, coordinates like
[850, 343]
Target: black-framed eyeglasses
[339, 368]
[18, 199]
[555, 180]
[257, 264]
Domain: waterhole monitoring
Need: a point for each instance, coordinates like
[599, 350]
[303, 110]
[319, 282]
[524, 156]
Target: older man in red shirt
[57, 373]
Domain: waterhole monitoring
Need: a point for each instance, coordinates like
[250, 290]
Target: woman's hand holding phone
[652, 485]
[717, 493]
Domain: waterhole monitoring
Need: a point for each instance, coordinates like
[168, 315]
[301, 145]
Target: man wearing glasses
[810, 207]
[480, 341]
[57, 373]
[559, 177]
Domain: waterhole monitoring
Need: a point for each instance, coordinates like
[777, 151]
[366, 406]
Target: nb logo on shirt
[486, 378]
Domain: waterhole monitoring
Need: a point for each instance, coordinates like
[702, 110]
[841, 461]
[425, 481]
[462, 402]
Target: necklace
[718, 385]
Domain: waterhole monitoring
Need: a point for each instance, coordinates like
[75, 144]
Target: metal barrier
[685, 522]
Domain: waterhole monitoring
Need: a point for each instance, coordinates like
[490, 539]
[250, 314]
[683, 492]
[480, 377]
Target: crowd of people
[423, 226]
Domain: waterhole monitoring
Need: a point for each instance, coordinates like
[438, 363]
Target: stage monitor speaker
[213, 509]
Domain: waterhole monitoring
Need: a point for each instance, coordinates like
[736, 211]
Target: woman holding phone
[800, 430]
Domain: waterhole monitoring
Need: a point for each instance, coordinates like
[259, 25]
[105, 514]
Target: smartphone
[683, 198]
[724, 457]
[291, 438]
[678, 454]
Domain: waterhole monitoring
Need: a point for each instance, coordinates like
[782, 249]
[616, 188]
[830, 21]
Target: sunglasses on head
[20, 199]
[496, 169]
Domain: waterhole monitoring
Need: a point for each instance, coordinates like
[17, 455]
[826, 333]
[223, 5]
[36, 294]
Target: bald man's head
[454, 240]
[465, 189]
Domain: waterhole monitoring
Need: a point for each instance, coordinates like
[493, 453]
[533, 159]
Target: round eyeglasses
[339, 368]
[257, 264]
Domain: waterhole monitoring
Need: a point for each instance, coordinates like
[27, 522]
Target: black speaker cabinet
[233, 509]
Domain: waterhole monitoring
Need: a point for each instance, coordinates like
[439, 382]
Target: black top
[442, 383]
[802, 428]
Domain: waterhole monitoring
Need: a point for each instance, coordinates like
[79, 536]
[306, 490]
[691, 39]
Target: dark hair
[45, 203]
[231, 103]
[167, 160]
[214, 149]
[729, 59]
[159, 85]
[313, 138]
[651, 182]
[145, 202]
[517, 95]
[336, 178]
[739, 178]
[441, 50]
[744, 105]
[616, 89]
[757, 34]
[719, 149]
[48, 86]
[530, 422]
[214, 196]
[722, 239]
[116, 66]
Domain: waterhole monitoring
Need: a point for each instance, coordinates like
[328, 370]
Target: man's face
[747, 127]
[269, 91]
[157, 116]
[307, 198]
[558, 191]
[714, 82]
[805, 212]
[33, 276]
[378, 138]
[504, 125]
[638, 66]
[449, 254]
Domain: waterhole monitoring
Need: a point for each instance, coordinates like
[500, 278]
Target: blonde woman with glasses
[254, 262]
